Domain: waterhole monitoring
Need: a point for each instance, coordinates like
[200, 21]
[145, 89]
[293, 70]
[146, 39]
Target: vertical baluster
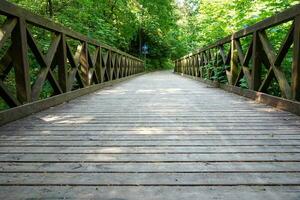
[62, 63]
[85, 64]
[20, 58]
[234, 70]
[256, 71]
[296, 61]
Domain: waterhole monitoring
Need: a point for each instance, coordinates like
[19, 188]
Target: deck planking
[157, 136]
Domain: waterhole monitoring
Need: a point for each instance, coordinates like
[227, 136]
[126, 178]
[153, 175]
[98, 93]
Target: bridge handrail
[62, 68]
[205, 61]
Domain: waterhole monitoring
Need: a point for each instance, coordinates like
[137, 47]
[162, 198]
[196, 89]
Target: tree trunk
[140, 42]
[50, 8]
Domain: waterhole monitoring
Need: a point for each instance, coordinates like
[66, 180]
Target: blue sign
[145, 49]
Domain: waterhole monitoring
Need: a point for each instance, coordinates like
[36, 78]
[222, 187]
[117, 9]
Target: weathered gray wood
[153, 137]
[143, 143]
[151, 157]
[154, 149]
[151, 179]
[151, 193]
[155, 167]
[158, 131]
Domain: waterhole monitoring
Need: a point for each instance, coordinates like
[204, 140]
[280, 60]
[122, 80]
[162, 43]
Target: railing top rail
[10, 9]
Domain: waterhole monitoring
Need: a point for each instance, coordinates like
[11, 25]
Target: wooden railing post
[62, 63]
[109, 65]
[233, 73]
[129, 66]
[185, 66]
[256, 70]
[100, 68]
[85, 64]
[20, 60]
[296, 61]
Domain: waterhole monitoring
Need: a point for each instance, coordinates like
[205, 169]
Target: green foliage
[124, 24]
[171, 28]
[243, 83]
[203, 22]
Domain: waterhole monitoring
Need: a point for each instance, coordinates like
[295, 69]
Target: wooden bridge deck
[158, 136]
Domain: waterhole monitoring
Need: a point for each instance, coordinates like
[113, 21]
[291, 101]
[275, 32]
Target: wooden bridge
[112, 131]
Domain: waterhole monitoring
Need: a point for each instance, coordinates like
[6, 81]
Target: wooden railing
[63, 68]
[248, 58]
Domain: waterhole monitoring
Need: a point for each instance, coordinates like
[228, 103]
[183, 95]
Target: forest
[171, 28]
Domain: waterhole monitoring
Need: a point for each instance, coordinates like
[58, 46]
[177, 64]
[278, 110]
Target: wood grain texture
[157, 136]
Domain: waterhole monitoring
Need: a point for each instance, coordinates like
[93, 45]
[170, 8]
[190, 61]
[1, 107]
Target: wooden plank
[139, 132]
[153, 137]
[142, 143]
[145, 150]
[150, 179]
[176, 167]
[150, 193]
[148, 158]
[65, 121]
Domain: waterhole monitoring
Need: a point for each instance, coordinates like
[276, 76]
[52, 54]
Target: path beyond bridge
[156, 136]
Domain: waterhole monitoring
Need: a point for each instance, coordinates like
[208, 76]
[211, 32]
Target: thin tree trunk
[50, 8]
[140, 42]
